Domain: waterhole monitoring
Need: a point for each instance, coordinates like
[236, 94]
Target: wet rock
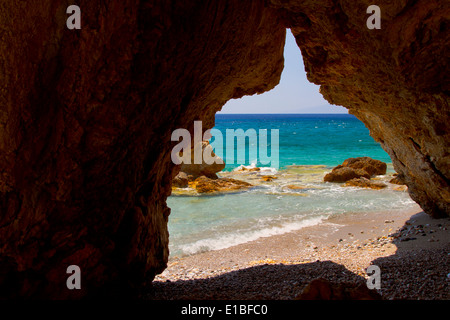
[181, 180]
[398, 179]
[343, 174]
[356, 168]
[371, 166]
[206, 185]
[268, 178]
[365, 183]
[248, 169]
[403, 188]
[209, 170]
[296, 187]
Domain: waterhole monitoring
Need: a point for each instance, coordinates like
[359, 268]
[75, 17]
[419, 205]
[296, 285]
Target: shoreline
[349, 243]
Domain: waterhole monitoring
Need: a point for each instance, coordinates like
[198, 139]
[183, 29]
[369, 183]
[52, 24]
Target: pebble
[415, 274]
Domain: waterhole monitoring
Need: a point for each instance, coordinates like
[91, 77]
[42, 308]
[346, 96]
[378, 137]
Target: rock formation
[203, 176]
[354, 168]
[86, 115]
[365, 183]
[191, 171]
[209, 170]
[393, 79]
[398, 179]
[221, 185]
[343, 174]
[371, 166]
[181, 180]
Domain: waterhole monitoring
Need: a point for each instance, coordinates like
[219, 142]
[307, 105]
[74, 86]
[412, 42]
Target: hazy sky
[294, 93]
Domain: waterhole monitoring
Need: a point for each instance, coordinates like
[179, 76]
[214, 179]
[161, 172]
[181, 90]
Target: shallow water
[296, 199]
[288, 203]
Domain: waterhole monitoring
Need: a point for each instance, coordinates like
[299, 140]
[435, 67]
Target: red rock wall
[86, 115]
[86, 119]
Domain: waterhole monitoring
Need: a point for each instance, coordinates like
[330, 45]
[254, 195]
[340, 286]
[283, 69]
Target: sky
[294, 93]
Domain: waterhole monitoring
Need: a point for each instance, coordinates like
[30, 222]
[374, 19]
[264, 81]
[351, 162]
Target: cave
[87, 114]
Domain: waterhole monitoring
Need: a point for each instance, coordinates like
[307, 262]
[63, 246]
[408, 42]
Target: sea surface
[309, 147]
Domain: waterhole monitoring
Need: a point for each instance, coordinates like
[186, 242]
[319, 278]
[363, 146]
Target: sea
[309, 146]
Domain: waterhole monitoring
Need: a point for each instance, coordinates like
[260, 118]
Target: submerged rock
[398, 179]
[295, 187]
[248, 169]
[206, 185]
[191, 172]
[365, 183]
[402, 188]
[268, 178]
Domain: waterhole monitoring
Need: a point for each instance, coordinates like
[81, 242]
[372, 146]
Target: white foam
[233, 239]
[253, 165]
[268, 170]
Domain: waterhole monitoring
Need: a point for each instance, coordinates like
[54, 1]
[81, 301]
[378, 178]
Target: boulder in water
[206, 185]
[204, 169]
[343, 174]
[356, 168]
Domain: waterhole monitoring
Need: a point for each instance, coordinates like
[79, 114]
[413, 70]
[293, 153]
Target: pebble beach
[411, 249]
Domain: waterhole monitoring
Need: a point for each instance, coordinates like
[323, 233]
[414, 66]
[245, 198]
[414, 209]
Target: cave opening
[211, 211]
[86, 114]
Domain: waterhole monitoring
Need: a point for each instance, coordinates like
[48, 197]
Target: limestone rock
[181, 180]
[296, 187]
[365, 183]
[371, 166]
[86, 118]
[248, 169]
[268, 178]
[402, 188]
[396, 82]
[398, 179]
[356, 168]
[204, 169]
[86, 115]
[222, 185]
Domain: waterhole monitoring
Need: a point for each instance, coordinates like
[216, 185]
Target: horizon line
[284, 113]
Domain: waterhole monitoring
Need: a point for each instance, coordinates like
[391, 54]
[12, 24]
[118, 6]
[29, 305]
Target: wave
[235, 238]
[253, 166]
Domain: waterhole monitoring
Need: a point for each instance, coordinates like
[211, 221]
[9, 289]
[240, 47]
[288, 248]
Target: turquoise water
[205, 222]
[307, 139]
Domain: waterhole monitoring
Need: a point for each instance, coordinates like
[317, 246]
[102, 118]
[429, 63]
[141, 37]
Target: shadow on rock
[271, 281]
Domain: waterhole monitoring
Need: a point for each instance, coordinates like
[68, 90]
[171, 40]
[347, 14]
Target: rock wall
[393, 79]
[85, 125]
[86, 115]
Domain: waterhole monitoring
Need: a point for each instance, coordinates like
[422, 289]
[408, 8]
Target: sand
[411, 249]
